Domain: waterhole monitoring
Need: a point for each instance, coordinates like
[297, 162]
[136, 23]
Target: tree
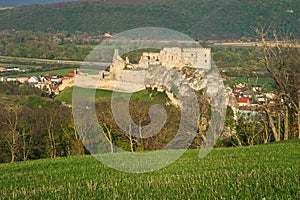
[51, 135]
[250, 129]
[108, 136]
[282, 60]
[26, 134]
[11, 131]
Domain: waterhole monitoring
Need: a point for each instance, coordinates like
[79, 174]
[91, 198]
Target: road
[249, 44]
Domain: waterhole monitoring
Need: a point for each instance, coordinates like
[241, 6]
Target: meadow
[268, 84]
[269, 171]
[105, 95]
[59, 72]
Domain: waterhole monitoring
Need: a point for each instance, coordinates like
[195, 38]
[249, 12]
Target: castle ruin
[168, 57]
[123, 76]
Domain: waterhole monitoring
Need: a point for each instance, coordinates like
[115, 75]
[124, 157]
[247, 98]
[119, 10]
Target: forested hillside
[201, 19]
[6, 3]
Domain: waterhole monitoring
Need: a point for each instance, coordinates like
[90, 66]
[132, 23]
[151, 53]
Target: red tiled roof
[242, 100]
[244, 108]
[71, 73]
[54, 87]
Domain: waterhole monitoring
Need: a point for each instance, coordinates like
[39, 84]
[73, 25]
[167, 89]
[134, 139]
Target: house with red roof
[243, 101]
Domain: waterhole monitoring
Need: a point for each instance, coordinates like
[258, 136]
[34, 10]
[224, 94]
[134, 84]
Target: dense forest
[35, 126]
[201, 19]
[60, 45]
[31, 126]
[8, 3]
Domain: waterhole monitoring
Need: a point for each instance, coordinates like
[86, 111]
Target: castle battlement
[197, 49]
[180, 51]
[173, 57]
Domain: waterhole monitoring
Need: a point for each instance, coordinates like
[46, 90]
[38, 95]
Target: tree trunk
[141, 136]
[279, 123]
[286, 124]
[109, 138]
[238, 140]
[13, 147]
[298, 115]
[12, 156]
[79, 146]
[24, 146]
[110, 142]
[130, 138]
[273, 127]
[51, 140]
[299, 122]
[266, 135]
[54, 145]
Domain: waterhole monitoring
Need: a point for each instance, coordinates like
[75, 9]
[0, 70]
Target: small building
[256, 88]
[33, 80]
[107, 35]
[71, 74]
[243, 102]
[239, 89]
[247, 112]
[13, 69]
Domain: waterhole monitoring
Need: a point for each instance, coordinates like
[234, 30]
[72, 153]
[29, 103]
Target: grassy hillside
[201, 19]
[267, 171]
[59, 72]
[105, 96]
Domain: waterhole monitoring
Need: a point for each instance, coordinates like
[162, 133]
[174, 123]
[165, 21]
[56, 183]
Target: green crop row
[267, 171]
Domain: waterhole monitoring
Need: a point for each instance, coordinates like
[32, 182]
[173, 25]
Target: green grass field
[60, 72]
[105, 95]
[267, 83]
[269, 171]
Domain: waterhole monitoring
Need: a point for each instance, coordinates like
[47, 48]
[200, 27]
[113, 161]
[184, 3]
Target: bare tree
[51, 138]
[108, 136]
[26, 140]
[11, 132]
[282, 61]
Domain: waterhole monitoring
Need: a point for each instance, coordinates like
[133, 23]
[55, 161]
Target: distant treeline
[200, 19]
[58, 46]
[9, 3]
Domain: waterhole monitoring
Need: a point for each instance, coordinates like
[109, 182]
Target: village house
[250, 101]
[52, 83]
[243, 102]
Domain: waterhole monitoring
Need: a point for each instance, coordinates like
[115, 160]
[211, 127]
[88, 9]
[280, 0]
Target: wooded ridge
[200, 19]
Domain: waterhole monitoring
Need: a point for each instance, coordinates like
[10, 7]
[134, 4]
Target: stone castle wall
[121, 71]
[199, 57]
[178, 58]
